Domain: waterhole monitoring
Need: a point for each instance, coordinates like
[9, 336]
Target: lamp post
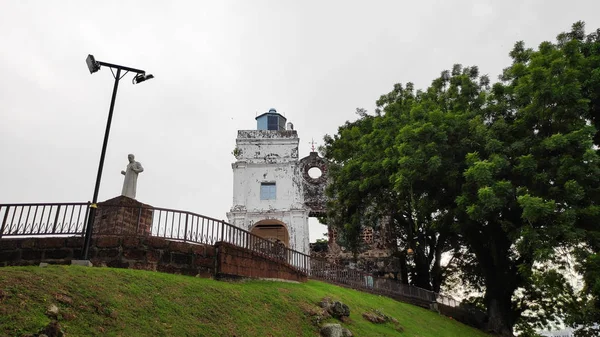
[140, 76]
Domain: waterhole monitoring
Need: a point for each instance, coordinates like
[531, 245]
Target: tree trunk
[500, 316]
[492, 248]
[422, 276]
[437, 274]
[403, 269]
[500, 286]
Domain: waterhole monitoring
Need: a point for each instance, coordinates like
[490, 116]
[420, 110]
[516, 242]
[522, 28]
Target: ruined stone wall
[313, 189]
[375, 258]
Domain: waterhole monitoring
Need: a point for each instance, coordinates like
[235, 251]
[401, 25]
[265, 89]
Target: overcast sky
[217, 64]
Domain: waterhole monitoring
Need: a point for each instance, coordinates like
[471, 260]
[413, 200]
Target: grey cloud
[217, 64]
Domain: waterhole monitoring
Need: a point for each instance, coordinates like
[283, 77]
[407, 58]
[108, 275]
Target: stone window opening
[268, 191]
[315, 172]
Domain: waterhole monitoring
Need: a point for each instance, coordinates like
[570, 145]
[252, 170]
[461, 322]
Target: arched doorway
[273, 230]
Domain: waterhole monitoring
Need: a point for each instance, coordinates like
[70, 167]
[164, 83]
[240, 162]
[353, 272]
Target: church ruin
[275, 192]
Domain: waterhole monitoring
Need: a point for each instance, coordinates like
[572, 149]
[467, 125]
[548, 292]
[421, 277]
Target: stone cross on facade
[312, 143]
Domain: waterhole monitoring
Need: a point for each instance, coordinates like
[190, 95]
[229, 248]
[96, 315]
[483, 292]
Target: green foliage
[320, 245]
[585, 310]
[502, 176]
[535, 208]
[237, 152]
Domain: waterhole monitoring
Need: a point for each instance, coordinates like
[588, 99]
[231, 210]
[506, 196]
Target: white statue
[131, 175]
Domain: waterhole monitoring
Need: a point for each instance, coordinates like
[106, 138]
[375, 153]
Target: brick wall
[123, 216]
[148, 253]
[237, 261]
[152, 253]
[32, 251]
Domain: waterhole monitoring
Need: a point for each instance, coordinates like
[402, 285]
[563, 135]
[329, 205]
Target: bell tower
[267, 191]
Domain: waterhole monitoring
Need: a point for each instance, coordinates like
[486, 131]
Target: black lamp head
[93, 66]
[141, 77]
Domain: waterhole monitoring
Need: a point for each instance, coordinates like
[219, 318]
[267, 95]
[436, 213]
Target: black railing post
[4, 220]
[222, 231]
[85, 217]
[186, 228]
[41, 219]
[55, 219]
[229, 234]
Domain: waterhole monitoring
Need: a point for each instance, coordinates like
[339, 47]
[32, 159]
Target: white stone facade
[269, 157]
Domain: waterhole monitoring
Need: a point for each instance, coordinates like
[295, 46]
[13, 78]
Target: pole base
[85, 263]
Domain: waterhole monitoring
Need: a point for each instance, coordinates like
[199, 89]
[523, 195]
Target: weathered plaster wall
[259, 146]
[269, 156]
[248, 178]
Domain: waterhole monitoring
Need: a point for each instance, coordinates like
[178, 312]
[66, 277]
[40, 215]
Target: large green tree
[504, 174]
[395, 165]
[585, 310]
[534, 184]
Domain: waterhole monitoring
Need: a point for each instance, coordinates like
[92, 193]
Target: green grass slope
[122, 302]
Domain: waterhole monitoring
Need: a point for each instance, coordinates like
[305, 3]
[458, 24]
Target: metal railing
[43, 219]
[191, 227]
[195, 228]
[68, 219]
[447, 300]
[329, 272]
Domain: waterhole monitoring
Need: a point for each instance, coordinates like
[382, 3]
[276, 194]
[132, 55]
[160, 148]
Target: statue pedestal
[123, 216]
